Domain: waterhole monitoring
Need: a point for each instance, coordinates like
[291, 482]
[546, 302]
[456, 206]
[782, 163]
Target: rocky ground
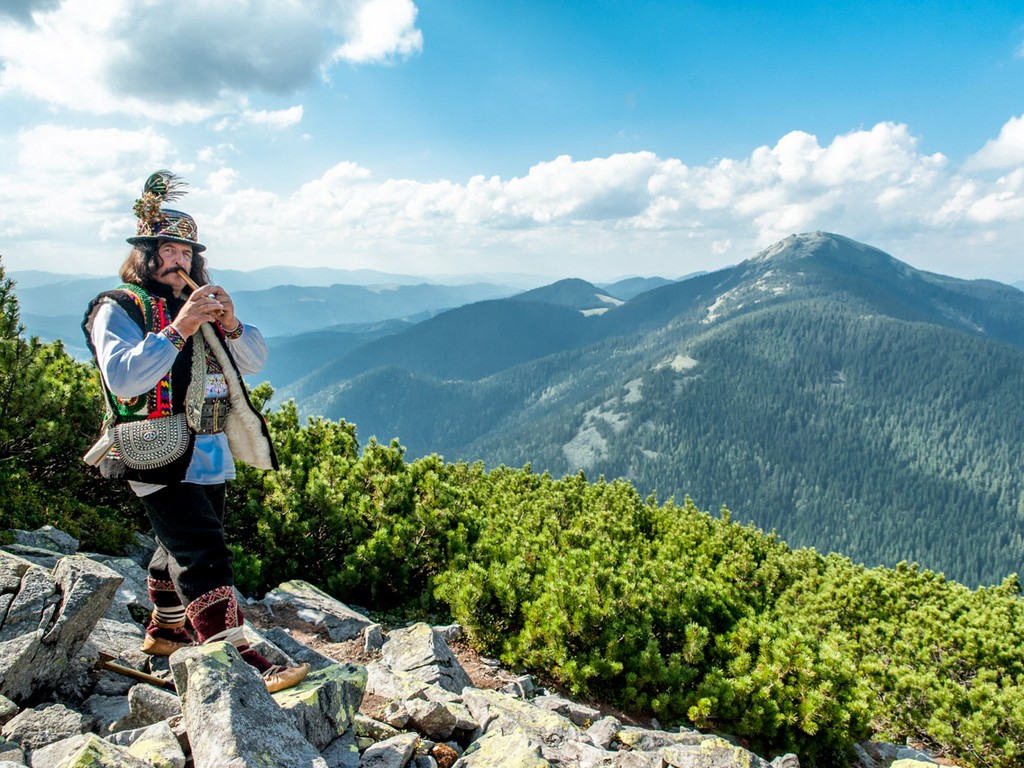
[402, 697]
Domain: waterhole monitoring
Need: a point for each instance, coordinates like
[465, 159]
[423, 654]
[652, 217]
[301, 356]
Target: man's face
[173, 255]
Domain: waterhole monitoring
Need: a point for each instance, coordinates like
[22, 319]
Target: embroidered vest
[183, 388]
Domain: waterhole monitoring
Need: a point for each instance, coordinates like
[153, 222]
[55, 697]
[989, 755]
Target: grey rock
[299, 652]
[317, 607]
[464, 720]
[44, 558]
[604, 731]
[863, 758]
[392, 753]
[373, 638]
[497, 711]
[342, 752]
[85, 750]
[788, 760]
[423, 761]
[49, 538]
[511, 750]
[106, 711]
[156, 745]
[231, 719]
[64, 609]
[396, 715]
[878, 753]
[375, 730]
[522, 687]
[45, 724]
[393, 684]
[910, 753]
[424, 654]
[324, 705]
[648, 740]
[711, 752]
[577, 754]
[450, 633]
[431, 718]
[146, 705]
[882, 754]
[82, 678]
[132, 599]
[30, 597]
[8, 709]
[580, 714]
[264, 647]
[11, 752]
[640, 760]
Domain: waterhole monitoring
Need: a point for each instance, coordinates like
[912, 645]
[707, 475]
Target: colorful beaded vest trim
[156, 402]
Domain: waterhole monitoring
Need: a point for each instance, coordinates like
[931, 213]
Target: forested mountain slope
[822, 388]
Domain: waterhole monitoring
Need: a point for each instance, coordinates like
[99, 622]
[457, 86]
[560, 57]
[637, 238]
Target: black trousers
[188, 520]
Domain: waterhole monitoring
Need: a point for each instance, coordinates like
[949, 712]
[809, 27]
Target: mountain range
[52, 305]
[822, 388]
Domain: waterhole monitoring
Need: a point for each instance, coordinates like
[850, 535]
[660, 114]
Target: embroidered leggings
[188, 520]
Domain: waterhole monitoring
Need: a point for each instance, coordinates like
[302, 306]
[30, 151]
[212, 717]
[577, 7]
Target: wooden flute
[192, 284]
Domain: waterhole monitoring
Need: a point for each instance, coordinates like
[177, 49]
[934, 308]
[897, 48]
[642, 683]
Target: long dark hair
[143, 261]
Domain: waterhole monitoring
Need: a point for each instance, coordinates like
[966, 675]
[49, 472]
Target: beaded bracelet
[175, 338]
[235, 334]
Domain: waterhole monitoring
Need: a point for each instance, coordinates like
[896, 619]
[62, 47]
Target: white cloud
[68, 177]
[22, 10]
[280, 118]
[1004, 151]
[381, 30]
[597, 218]
[187, 60]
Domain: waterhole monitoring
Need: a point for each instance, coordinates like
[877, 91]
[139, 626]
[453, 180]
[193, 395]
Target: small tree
[50, 411]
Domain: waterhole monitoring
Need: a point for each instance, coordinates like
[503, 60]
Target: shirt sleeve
[130, 361]
[249, 350]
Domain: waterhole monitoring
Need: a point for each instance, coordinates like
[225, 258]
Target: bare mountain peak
[823, 246]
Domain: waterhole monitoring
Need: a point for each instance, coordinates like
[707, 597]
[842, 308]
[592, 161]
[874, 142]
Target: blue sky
[598, 139]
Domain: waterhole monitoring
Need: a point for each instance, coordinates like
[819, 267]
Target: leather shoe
[160, 646]
[278, 678]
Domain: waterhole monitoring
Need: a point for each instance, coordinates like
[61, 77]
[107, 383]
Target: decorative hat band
[156, 222]
[172, 224]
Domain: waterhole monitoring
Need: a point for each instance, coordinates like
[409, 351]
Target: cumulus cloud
[73, 187]
[381, 30]
[22, 10]
[629, 211]
[597, 218]
[187, 60]
[1004, 151]
[274, 119]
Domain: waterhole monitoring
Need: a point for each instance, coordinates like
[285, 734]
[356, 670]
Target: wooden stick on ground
[108, 662]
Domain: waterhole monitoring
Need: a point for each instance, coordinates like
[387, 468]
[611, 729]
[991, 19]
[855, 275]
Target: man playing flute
[171, 361]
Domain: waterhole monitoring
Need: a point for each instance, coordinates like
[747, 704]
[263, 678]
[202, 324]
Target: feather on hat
[159, 223]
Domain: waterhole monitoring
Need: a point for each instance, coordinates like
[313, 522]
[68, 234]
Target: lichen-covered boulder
[324, 705]
[498, 750]
[317, 607]
[232, 720]
[499, 711]
[46, 618]
[422, 652]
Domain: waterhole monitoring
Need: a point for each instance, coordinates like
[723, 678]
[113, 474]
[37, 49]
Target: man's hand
[203, 306]
[226, 317]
